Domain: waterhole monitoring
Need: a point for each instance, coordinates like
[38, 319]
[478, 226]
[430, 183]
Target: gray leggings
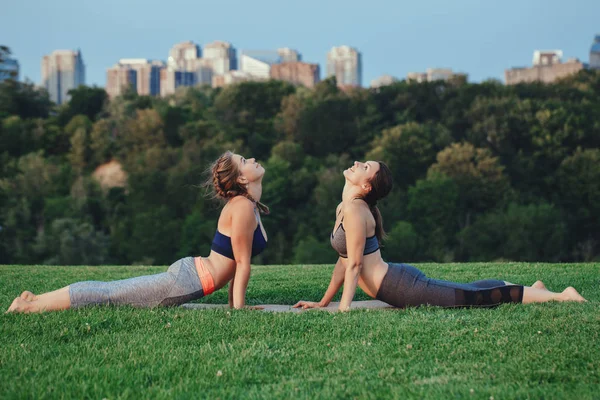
[405, 286]
[178, 285]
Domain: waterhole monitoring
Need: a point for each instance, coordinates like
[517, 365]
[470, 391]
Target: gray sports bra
[338, 242]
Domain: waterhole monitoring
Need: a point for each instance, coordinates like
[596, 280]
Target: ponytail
[379, 232]
[381, 185]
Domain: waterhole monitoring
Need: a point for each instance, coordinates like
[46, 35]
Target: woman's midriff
[206, 280]
[372, 273]
[221, 268]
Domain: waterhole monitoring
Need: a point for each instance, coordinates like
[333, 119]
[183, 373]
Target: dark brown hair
[381, 185]
[224, 174]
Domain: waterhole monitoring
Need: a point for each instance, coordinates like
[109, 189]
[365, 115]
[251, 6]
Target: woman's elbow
[354, 267]
[242, 268]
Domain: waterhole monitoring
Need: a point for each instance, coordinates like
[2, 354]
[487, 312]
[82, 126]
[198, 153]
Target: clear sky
[478, 37]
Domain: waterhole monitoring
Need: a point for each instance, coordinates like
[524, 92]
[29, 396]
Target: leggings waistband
[206, 279]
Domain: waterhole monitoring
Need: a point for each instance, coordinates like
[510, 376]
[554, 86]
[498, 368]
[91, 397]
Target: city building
[298, 73]
[171, 79]
[185, 67]
[547, 57]
[203, 71]
[62, 71]
[417, 77]
[9, 68]
[434, 74]
[383, 80]
[257, 63]
[147, 76]
[222, 56]
[289, 55]
[182, 56]
[345, 63]
[439, 74]
[119, 78]
[547, 67]
[595, 53]
[228, 78]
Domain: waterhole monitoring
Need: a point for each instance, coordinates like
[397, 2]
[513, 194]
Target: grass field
[513, 351]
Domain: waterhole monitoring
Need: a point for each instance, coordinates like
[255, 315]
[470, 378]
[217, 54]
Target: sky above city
[479, 37]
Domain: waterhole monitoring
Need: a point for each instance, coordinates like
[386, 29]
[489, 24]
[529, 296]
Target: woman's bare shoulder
[240, 206]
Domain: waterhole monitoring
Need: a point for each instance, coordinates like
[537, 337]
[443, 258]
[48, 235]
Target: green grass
[513, 351]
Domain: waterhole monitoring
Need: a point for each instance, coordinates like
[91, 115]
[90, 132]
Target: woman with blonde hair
[239, 236]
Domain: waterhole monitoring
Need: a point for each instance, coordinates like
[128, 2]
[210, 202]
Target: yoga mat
[356, 305]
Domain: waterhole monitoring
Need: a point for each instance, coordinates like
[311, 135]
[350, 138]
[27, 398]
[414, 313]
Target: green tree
[579, 196]
[142, 132]
[478, 175]
[246, 111]
[85, 100]
[432, 208]
[72, 242]
[521, 233]
[23, 99]
[313, 251]
[102, 143]
[409, 150]
[22, 206]
[402, 243]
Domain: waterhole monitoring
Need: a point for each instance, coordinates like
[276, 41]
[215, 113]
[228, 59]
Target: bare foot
[27, 295]
[570, 294]
[539, 285]
[19, 306]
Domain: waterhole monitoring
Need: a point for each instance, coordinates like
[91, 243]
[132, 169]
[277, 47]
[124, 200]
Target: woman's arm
[337, 278]
[230, 292]
[243, 224]
[356, 235]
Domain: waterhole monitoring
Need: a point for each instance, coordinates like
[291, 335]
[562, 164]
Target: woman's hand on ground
[307, 304]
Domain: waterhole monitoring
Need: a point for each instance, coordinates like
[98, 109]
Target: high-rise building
[222, 56]
[171, 79]
[547, 67]
[298, 73]
[345, 63]
[183, 55]
[148, 74]
[119, 78]
[257, 63]
[383, 80]
[595, 53]
[203, 71]
[289, 55]
[9, 68]
[184, 68]
[62, 71]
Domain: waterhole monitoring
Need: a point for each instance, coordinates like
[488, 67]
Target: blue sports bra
[222, 244]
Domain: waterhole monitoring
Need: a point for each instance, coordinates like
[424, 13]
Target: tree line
[482, 171]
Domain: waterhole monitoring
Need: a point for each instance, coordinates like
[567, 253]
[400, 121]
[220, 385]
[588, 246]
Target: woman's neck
[351, 192]
[255, 190]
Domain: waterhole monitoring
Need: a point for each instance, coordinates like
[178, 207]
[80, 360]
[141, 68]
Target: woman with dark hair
[239, 236]
[357, 232]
